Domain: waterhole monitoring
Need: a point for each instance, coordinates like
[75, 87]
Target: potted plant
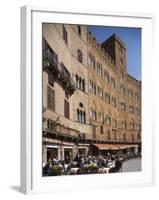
[93, 168]
[55, 170]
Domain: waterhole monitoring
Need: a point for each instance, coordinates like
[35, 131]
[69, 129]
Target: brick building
[91, 104]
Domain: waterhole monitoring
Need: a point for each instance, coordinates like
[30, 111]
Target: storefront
[52, 152]
[68, 153]
[83, 149]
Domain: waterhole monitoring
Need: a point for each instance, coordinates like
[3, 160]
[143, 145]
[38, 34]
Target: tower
[117, 51]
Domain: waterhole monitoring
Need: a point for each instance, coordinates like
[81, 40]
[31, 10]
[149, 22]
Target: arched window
[80, 83]
[79, 56]
[81, 105]
[81, 114]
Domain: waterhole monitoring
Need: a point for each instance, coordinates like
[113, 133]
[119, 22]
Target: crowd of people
[111, 161]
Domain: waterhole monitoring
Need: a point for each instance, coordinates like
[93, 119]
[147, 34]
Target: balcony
[50, 59]
[71, 86]
[64, 77]
[60, 72]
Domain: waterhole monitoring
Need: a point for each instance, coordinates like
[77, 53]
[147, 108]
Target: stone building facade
[91, 104]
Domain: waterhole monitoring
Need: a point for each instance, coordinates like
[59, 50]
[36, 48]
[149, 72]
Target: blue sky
[131, 38]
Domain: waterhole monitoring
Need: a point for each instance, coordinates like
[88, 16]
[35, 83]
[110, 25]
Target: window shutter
[66, 108]
[51, 99]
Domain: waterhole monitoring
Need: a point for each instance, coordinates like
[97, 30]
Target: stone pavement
[132, 165]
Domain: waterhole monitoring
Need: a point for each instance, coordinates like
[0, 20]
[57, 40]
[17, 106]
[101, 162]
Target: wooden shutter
[66, 109]
[51, 99]
[94, 132]
[101, 129]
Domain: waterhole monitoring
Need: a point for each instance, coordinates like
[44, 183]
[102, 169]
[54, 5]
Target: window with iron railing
[50, 58]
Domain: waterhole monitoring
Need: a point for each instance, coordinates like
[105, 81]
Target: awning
[106, 146]
[113, 146]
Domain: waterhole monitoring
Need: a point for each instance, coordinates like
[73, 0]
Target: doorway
[68, 154]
